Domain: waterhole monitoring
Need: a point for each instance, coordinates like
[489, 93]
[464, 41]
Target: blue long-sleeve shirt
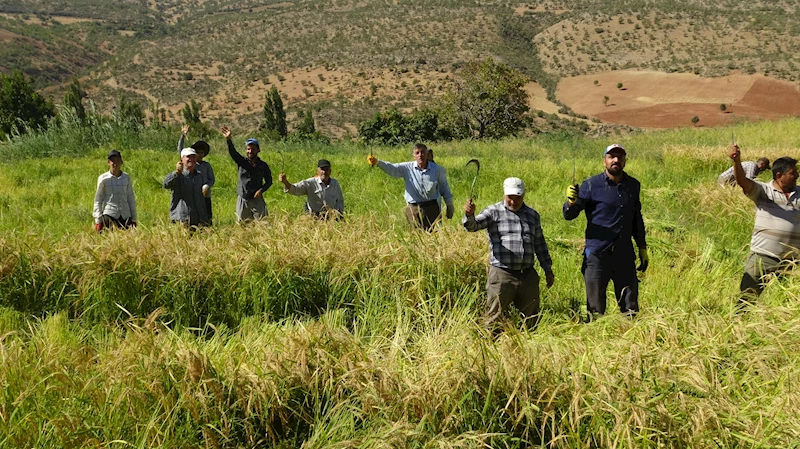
[252, 178]
[613, 212]
[421, 185]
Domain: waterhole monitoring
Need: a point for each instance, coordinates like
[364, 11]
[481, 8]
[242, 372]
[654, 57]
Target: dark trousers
[423, 215]
[208, 208]
[618, 265]
[119, 223]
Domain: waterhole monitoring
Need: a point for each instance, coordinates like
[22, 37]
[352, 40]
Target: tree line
[487, 100]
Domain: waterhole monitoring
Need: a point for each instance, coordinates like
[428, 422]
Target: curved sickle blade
[477, 172]
[283, 164]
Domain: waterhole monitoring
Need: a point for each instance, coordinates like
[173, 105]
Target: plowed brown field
[664, 100]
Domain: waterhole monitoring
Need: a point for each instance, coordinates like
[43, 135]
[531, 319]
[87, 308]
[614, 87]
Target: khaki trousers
[504, 287]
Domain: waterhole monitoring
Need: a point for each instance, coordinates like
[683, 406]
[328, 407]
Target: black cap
[113, 153]
[322, 163]
[201, 146]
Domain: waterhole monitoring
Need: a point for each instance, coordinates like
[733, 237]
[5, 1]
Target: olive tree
[488, 99]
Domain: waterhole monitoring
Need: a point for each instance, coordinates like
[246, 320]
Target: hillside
[348, 59]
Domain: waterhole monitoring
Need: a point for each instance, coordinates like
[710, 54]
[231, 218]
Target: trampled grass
[363, 333]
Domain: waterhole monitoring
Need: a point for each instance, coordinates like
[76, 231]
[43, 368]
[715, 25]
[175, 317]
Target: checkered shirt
[514, 237]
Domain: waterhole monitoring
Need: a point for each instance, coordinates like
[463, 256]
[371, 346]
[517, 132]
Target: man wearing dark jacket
[613, 218]
[255, 178]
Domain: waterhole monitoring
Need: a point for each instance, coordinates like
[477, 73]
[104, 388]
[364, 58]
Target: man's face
[788, 179]
[421, 156]
[189, 162]
[614, 161]
[514, 202]
[324, 174]
[762, 166]
[252, 151]
[115, 164]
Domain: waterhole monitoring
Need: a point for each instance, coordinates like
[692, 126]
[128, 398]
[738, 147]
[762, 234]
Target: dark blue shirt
[252, 178]
[613, 213]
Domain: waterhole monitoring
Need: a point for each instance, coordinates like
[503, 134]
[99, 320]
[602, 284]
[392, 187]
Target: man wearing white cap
[613, 217]
[187, 205]
[515, 236]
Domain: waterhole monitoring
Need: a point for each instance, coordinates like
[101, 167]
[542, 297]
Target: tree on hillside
[274, 115]
[695, 119]
[21, 107]
[488, 100]
[392, 127]
[605, 100]
[191, 116]
[128, 113]
[722, 107]
[73, 99]
[191, 112]
[619, 85]
[307, 125]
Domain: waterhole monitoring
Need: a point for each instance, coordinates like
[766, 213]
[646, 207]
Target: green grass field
[363, 333]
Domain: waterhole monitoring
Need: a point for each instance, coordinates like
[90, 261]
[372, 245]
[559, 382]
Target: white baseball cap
[513, 186]
[188, 151]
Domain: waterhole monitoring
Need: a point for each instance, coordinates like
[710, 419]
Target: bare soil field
[664, 100]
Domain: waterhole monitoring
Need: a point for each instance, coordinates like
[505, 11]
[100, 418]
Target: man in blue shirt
[613, 217]
[425, 183]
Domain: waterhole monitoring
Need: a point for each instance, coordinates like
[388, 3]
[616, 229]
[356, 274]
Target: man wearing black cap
[613, 218]
[114, 202]
[324, 196]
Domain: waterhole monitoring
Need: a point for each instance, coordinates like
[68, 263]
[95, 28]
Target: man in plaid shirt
[515, 235]
[751, 171]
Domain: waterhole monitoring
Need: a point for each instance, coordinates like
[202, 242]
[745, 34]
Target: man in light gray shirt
[775, 244]
[324, 197]
[114, 202]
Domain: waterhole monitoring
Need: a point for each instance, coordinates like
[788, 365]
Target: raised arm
[738, 172]
[473, 223]
[181, 141]
[240, 160]
[393, 170]
[576, 200]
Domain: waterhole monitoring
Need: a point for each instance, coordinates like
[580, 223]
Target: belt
[517, 272]
[425, 203]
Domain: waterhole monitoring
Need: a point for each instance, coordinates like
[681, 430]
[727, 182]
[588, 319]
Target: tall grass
[362, 333]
